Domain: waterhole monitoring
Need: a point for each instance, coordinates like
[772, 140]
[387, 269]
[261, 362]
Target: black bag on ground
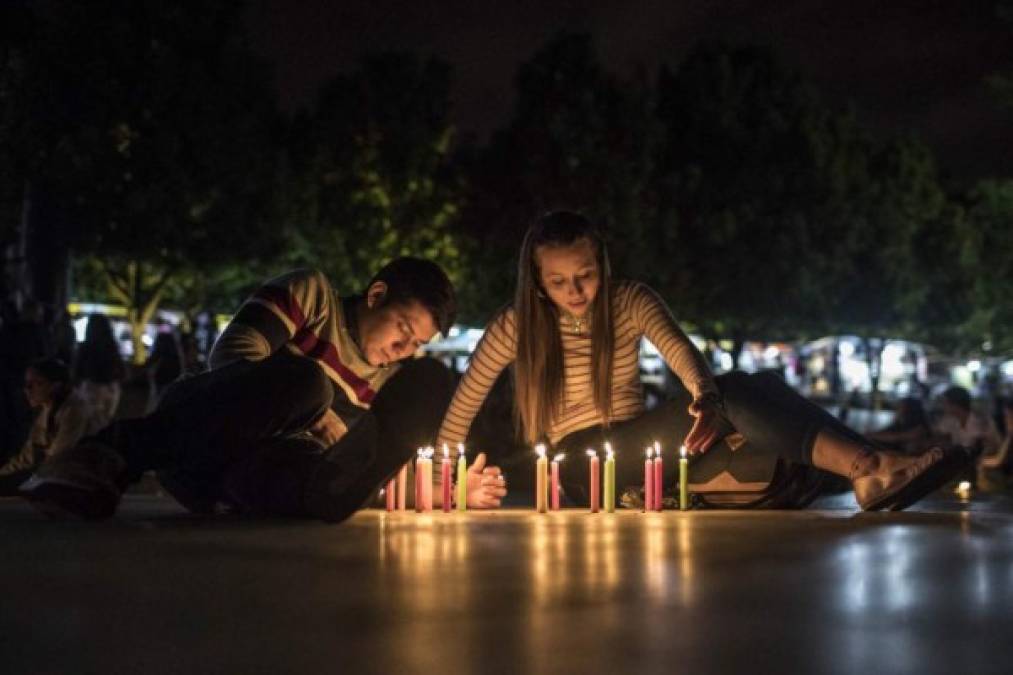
[752, 478]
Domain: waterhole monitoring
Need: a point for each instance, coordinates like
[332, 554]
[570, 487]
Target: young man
[306, 410]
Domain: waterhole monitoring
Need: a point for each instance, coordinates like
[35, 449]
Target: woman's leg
[667, 424]
[770, 414]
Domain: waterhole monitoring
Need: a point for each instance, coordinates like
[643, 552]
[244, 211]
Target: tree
[370, 174]
[152, 132]
[988, 260]
[755, 177]
[579, 138]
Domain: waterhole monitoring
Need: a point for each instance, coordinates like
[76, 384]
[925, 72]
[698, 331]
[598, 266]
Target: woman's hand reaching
[710, 425]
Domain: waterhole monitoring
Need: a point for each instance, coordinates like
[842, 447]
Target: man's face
[389, 333]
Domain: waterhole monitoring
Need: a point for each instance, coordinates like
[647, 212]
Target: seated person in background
[62, 418]
[910, 430]
[963, 426]
[994, 468]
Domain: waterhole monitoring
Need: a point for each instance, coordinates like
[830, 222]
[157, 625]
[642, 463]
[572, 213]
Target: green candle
[610, 479]
[683, 479]
[462, 479]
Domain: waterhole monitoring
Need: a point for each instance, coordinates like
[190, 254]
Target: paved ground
[819, 591]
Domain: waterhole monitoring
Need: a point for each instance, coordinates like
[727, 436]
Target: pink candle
[659, 478]
[402, 488]
[389, 494]
[445, 477]
[649, 481]
[554, 489]
[594, 480]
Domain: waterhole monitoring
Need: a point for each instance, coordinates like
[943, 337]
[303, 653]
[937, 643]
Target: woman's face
[38, 390]
[569, 275]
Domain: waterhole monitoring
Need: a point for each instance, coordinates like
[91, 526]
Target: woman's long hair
[538, 368]
[98, 358]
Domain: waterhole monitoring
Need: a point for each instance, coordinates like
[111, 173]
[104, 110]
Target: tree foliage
[151, 126]
[370, 175]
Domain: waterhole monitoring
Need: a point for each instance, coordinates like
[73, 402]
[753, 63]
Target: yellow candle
[541, 489]
[610, 479]
[462, 479]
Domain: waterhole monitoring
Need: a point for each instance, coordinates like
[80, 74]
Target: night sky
[909, 67]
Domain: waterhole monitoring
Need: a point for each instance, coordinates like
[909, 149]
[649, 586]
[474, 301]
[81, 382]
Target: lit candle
[424, 480]
[402, 487]
[462, 479]
[649, 480]
[554, 487]
[541, 466]
[388, 492]
[659, 478]
[445, 478]
[609, 488]
[418, 478]
[593, 479]
[683, 479]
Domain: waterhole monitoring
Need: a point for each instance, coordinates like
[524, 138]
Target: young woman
[99, 369]
[573, 335]
[62, 418]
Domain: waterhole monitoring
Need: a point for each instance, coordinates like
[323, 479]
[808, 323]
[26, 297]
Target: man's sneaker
[83, 482]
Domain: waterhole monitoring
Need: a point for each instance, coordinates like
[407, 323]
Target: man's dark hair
[52, 369]
[958, 396]
[414, 279]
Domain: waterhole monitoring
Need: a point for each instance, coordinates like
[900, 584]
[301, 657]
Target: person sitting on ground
[964, 426]
[910, 429]
[310, 405]
[99, 368]
[164, 365]
[62, 418]
[573, 335]
[994, 467]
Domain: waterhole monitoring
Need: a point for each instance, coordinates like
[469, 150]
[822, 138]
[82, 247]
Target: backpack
[752, 478]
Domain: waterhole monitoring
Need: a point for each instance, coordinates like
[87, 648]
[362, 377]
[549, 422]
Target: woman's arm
[494, 352]
[651, 315]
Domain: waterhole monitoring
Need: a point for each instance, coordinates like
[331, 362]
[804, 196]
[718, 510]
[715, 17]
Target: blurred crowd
[55, 389]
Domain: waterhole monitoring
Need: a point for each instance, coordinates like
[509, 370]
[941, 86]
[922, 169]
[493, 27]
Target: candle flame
[591, 453]
[657, 448]
[558, 458]
[446, 451]
[420, 452]
[650, 452]
[608, 447]
[608, 452]
[460, 449]
[540, 450]
[682, 450]
[428, 452]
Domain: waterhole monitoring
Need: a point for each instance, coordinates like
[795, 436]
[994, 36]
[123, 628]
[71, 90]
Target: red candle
[659, 478]
[593, 479]
[389, 494]
[554, 488]
[445, 477]
[649, 481]
[402, 488]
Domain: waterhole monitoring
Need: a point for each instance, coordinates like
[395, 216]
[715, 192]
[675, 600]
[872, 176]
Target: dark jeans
[774, 419]
[239, 434]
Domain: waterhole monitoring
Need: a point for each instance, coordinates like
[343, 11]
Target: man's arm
[271, 316]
